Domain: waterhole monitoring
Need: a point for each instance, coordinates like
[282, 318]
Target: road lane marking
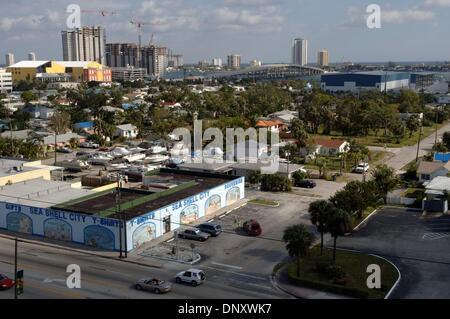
[59, 292]
[251, 261]
[96, 282]
[237, 273]
[225, 265]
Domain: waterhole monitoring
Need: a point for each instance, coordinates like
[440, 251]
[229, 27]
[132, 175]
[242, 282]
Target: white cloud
[390, 16]
[396, 16]
[437, 3]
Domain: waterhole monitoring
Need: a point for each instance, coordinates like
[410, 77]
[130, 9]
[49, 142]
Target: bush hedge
[338, 289]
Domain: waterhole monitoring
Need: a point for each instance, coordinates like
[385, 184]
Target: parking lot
[418, 246]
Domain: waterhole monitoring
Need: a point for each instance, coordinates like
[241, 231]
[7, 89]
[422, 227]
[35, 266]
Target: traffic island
[348, 276]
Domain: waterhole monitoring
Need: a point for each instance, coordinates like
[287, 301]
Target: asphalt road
[45, 277]
[417, 245]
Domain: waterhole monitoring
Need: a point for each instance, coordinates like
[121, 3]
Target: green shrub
[335, 272]
[338, 289]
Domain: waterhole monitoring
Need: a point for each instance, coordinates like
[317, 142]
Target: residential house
[87, 127]
[126, 130]
[429, 170]
[327, 148]
[272, 126]
[40, 112]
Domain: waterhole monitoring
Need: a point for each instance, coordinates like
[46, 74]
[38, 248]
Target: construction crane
[103, 12]
[140, 24]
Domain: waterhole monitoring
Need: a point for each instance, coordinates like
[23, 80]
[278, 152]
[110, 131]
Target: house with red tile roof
[272, 126]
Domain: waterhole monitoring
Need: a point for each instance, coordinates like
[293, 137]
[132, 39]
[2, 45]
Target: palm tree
[298, 240]
[338, 224]
[319, 211]
[60, 122]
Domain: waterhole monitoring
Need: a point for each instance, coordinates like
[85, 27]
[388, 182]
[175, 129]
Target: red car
[5, 282]
[252, 227]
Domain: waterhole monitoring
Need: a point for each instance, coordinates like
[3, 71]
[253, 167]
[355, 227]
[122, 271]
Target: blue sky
[411, 30]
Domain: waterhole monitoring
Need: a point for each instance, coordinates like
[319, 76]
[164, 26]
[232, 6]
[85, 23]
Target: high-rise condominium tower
[9, 59]
[322, 58]
[234, 60]
[84, 44]
[300, 52]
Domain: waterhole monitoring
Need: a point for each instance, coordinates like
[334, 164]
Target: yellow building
[78, 71]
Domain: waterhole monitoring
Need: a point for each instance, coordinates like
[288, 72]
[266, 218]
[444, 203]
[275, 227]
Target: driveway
[418, 246]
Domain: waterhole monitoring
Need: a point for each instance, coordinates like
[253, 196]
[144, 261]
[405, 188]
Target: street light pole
[119, 215]
[15, 268]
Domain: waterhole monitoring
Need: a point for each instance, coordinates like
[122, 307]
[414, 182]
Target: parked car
[192, 276]
[82, 153]
[194, 233]
[5, 282]
[210, 228]
[306, 184]
[89, 145]
[155, 285]
[64, 150]
[361, 168]
[252, 227]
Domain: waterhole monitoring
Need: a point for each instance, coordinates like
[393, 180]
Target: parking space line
[229, 266]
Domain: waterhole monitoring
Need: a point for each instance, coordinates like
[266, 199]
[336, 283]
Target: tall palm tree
[338, 224]
[60, 122]
[298, 240]
[319, 211]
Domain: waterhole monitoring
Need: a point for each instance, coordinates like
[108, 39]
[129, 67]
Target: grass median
[353, 266]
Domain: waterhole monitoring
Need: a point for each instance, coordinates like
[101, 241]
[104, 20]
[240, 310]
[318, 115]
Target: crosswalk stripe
[431, 236]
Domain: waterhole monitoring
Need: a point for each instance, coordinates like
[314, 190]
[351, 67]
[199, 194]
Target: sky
[411, 30]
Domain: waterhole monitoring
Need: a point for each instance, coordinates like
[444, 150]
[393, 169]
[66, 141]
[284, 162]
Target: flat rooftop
[41, 193]
[135, 203]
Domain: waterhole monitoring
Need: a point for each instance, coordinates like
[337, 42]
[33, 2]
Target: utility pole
[15, 268]
[118, 214]
[418, 143]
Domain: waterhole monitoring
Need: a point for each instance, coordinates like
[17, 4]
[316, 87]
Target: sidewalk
[282, 281]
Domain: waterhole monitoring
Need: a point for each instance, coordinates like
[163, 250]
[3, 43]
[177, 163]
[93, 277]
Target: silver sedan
[155, 285]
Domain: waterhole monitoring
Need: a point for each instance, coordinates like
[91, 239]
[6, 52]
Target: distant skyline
[415, 30]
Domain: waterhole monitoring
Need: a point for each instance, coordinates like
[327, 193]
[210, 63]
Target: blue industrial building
[378, 80]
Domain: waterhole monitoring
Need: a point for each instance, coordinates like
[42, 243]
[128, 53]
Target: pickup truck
[89, 145]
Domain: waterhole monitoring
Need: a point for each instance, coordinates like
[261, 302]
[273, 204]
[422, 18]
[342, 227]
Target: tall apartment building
[234, 60]
[9, 59]
[322, 58]
[121, 55]
[217, 62]
[300, 51]
[5, 81]
[31, 56]
[174, 60]
[84, 44]
[157, 61]
[154, 59]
